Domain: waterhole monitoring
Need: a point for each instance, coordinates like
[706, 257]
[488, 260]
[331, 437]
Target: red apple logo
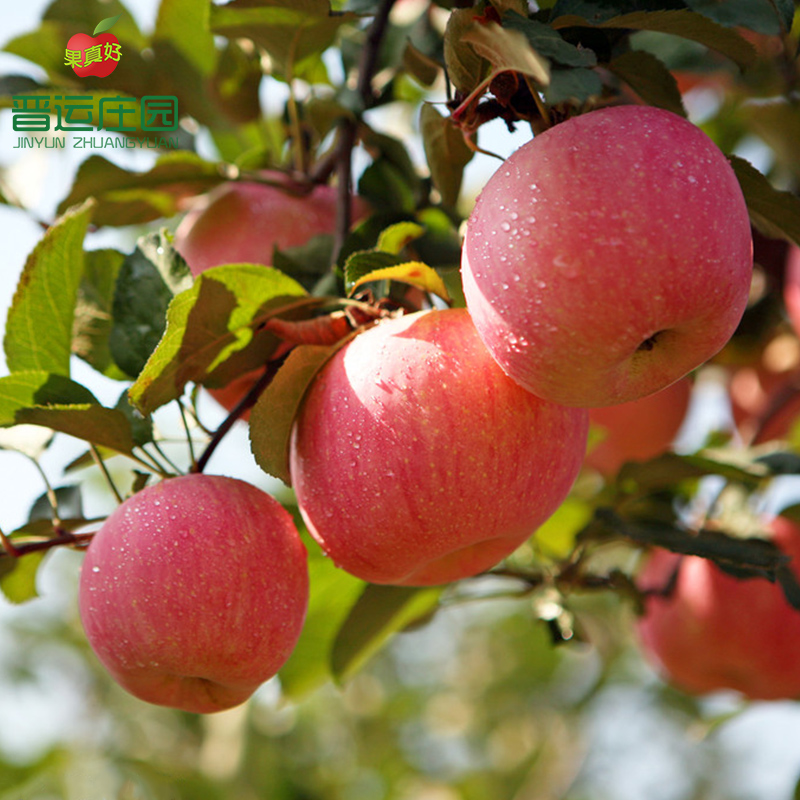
[94, 55]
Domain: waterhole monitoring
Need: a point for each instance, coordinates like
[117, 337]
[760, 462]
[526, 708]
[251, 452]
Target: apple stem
[248, 401]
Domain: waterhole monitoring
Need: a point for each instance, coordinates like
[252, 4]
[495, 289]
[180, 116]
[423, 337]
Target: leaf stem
[51, 495]
[98, 459]
[166, 458]
[189, 441]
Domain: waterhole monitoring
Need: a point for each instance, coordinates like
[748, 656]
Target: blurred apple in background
[639, 430]
[243, 222]
[715, 631]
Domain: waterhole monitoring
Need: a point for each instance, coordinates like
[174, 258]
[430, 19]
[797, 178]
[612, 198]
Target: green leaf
[18, 577]
[757, 15]
[556, 537]
[273, 415]
[213, 320]
[549, 43]
[141, 427]
[36, 388]
[101, 426]
[773, 212]
[445, 151]
[184, 25]
[306, 263]
[679, 22]
[573, 85]
[93, 311]
[141, 297]
[106, 24]
[54, 401]
[379, 612]
[423, 68]
[597, 11]
[414, 273]
[671, 469]
[126, 197]
[291, 31]
[650, 79]
[465, 67]
[387, 187]
[333, 592]
[38, 332]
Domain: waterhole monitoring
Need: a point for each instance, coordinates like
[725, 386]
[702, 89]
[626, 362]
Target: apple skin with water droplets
[416, 461]
[608, 257]
[194, 592]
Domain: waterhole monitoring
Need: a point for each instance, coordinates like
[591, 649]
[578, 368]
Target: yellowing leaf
[414, 273]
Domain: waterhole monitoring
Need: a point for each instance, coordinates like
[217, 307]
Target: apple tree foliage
[139, 319]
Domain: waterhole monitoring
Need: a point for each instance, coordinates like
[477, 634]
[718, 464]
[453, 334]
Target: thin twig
[63, 538]
[348, 127]
[247, 402]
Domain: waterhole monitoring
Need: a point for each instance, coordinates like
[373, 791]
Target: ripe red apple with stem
[194, 592]
[639, 430]
[417, 461]
[242, 222]
[715, 631]
[608, 257]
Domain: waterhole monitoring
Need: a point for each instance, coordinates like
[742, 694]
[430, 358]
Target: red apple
[639, 430]
[243, 222]
[82, 42]
[608, 257]
[416, 461]
[791, 289]
[718, 632]
[194, 591]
